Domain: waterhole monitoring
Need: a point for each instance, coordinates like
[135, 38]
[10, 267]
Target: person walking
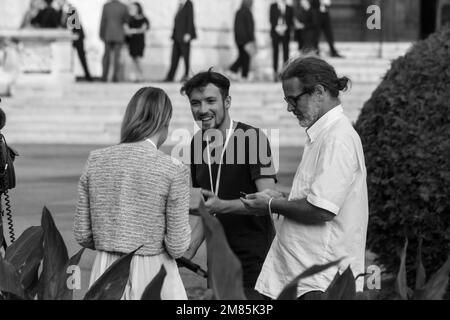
[183, 33]
[326, 215]
[244, 35]
[137, 27]
[131, 195]
[281, 22]
[326, 27]
[112, 32]
[68, 11]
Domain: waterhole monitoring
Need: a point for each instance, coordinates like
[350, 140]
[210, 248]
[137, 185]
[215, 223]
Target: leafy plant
[434, 289]
[405, 132]
[44, 246]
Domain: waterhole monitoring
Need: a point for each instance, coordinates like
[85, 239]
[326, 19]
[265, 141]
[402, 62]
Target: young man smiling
[228, 158]
[325, 217]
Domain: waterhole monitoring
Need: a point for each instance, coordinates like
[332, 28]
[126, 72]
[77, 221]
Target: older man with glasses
[325, 217]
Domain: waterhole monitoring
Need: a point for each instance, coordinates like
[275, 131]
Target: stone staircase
[91, 113]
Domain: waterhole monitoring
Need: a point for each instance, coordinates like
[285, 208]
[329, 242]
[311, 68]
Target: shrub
[405, 132]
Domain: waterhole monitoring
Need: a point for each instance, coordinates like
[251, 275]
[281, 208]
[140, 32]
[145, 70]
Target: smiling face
[305, 108]
[133, 10]
[208, 107]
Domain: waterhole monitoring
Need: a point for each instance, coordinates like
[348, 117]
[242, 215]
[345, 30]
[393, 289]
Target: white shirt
[332, 176]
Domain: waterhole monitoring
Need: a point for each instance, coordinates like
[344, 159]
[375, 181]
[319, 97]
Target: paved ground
[48, 176]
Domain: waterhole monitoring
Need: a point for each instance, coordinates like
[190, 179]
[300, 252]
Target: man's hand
[274, 194]
[257, 203]
[213, 204]
[187, 38]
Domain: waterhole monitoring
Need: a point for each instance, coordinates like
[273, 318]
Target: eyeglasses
[293, 100]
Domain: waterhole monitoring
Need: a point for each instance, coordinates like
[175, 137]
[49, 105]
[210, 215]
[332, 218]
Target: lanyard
[152, 143]
[216, 189]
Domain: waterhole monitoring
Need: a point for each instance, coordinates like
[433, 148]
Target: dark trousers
[325, 27]
[311, 39]
[179, 49]
[276, 41]
[300, 37]
[242, 62]
[79, 46]
[112, 48]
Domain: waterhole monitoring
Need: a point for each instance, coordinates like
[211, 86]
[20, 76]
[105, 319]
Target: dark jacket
[275, 15]
[184, 23]
[244, 26]
[114, 17]
[48, 17]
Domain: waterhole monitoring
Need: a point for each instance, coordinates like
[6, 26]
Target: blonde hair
[148, 111]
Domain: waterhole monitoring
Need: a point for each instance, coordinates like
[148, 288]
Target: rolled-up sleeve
[178, 230]
[335, 172]
[82, 223]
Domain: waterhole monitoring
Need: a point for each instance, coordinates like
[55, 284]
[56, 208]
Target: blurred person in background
[184, 32]
[136, 29]
[326, 28]
[70, 19]
[300, 12]
[32, 12]
[112, 32]
[281, 22]
[244, 35]
[48, 17]
[133, 194]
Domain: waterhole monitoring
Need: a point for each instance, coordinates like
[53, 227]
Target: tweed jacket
[131, 195]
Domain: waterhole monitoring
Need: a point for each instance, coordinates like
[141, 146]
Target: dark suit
[325, 27]
[300, 14]
[114, 17]
[47, 18]
[184, 24]
[287, 20]
[244, 33]
[78, 44]
[312, 26]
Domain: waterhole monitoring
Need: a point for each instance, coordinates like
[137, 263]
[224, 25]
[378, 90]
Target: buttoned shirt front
[331, 176]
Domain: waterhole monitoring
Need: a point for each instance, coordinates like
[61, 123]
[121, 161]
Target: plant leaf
[26, 254]
[153, 290]
[55, 257]
[401, 285]
[10, 279]
[290, 291]
[112, 283]
[343, 287]
[60, 279]
[420, 269]
[1, 231]
[224, 268]
[435, 288]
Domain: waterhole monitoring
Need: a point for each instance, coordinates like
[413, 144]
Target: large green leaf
[153, 290]
[224, 268]
[26, 254]
[55, 257]
[10, 279]
[290, 291]
[343, 287]
[112, 283]
[401, 284]
[436, 287]
[59, 280]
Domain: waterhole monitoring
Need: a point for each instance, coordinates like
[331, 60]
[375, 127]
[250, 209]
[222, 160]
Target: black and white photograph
[245, 152]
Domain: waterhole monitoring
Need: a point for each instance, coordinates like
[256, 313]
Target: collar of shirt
[152, 143]
[321, 124]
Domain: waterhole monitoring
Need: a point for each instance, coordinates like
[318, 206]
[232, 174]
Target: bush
[405, 131]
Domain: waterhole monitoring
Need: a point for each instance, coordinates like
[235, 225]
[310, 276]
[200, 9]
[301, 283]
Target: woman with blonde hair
[132, 194]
